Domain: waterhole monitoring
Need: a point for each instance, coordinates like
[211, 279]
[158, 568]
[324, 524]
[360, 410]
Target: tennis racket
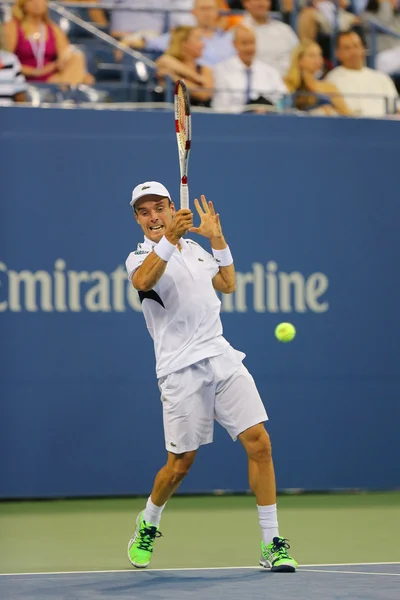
[183, 126]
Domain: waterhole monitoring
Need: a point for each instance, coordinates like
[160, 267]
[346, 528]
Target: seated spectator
[12, 82]
[244, 79]
[274, 40]
[320, 18]
[386, 12]
[182, 59]
[311, 94]
[138, 26]
[42, 47]
[367, 92]
[218, 44]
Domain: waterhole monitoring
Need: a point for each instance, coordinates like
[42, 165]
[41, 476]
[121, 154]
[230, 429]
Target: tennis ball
[285, 332]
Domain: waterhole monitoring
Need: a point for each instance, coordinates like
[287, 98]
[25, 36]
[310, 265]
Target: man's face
[351, 52]
[245, 44]
[154, 215]
[257, 8]
[206, 13]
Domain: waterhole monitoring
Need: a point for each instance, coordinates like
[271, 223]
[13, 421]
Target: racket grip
[184, 195]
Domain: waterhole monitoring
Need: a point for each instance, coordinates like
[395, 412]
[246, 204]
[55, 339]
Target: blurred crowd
[266, 58]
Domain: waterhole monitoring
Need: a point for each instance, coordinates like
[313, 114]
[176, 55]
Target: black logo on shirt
[150, 295]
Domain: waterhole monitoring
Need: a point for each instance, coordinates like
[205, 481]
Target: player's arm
[210, 227]
[154, 265]
[224, 281]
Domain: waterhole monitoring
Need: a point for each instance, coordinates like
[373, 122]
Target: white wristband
[164, 249]
[223, 257]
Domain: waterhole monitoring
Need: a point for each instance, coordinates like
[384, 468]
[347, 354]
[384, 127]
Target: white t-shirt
[12, 81]
[230, 84]
[182, 311]
[274, 42]
[365, 91]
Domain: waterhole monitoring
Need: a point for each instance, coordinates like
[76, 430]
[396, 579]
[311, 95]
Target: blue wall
[310, 208]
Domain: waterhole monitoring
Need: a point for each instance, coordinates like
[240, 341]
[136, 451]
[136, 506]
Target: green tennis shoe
[275, 556]
[140, 547]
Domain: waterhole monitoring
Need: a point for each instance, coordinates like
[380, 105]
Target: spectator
[12, 82]
[42, 47]
[137, 26]
[244, 79]
[320, 18]
[367, 92]
[386, 12]
[182, 59]
[218, 44]
[311, 94]
[274, 40]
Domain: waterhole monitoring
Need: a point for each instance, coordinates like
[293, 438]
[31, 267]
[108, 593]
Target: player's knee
[258, 445]
[181, 466]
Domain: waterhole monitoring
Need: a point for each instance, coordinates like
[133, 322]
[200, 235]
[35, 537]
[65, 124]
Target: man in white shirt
[200, 376]
[218, 44]
[137, 24]
[367, 93]
[12, 82]
[275, 40]
[244, 79]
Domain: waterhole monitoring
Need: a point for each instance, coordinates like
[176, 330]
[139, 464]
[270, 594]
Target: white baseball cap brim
[149, 188]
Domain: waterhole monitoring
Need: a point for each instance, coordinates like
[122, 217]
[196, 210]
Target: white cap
[148, 188]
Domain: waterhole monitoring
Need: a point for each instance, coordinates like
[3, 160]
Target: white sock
[267, 515]
[152, 513]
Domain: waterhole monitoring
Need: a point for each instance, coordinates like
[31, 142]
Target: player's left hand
[210, 226]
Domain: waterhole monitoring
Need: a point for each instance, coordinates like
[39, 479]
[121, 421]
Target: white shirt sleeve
[333, 76]
[280, 86]
[19, 79]
[134, 261]
[294, 40]
[390, 94]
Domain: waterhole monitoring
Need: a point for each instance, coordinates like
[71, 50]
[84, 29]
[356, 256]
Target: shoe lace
[281, 547]
[147, 535]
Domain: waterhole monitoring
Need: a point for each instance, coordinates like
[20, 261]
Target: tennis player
[200, 376]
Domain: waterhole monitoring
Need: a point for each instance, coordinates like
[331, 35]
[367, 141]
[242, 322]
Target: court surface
[328, 582]
[347, 545]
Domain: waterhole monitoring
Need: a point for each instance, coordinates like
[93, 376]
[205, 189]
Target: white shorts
[218, 388]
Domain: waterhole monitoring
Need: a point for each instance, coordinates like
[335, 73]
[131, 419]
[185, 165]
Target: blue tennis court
[373, 581]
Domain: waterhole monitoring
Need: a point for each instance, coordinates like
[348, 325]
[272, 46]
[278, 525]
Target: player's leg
[239, 409]
[188, 414]
[257, 444]
[168, 479]
[170, 476]
[274, 548]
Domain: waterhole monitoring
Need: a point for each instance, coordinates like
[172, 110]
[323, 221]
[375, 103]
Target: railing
[284, 104]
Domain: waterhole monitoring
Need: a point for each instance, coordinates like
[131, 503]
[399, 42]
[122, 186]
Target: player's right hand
[181, 223]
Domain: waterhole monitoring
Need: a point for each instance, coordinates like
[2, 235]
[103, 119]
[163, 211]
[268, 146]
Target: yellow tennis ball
[285, 332]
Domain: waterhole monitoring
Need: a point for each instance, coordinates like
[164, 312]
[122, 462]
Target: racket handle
[184, 195]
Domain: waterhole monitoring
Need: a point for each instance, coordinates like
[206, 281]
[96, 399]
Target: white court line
[132, 570]
[350, 572]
